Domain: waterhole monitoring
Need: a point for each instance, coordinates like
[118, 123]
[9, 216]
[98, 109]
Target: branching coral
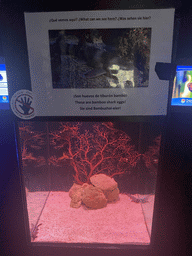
[100, 148]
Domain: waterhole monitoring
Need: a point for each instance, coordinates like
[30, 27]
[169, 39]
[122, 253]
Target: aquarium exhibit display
[89, 114]
[88, 163]
[89, 182]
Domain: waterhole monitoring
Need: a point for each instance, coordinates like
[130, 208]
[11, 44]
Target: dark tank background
[48, 165]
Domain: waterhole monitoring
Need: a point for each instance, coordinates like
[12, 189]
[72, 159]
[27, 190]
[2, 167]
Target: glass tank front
[90, 182]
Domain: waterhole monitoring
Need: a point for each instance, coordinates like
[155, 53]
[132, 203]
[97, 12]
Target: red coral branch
[30, 139]
[100, 148]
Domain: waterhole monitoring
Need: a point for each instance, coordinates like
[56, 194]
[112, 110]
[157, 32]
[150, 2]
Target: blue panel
[4, 98]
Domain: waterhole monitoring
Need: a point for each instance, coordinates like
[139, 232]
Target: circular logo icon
[4, 98]
[22, 104]
[182, 100]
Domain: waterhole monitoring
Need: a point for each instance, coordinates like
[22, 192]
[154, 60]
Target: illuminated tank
[89, 182]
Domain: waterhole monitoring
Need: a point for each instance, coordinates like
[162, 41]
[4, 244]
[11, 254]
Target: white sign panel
[99, 63]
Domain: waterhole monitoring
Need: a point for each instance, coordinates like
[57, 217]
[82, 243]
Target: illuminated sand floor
[120, 222]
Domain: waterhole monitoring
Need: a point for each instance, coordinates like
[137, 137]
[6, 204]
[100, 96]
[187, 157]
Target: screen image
[4, 98]
[100, 58]
[182, 87]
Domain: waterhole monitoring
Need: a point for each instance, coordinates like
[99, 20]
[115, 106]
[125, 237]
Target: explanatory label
[100, 101]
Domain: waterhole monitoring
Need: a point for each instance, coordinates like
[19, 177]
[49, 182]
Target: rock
[112, 195]
[94, 198]
[73, 189]
[85, 185]
[75, 204]
[76, 192]
[107, 184]
[76, 199]
[103, 189]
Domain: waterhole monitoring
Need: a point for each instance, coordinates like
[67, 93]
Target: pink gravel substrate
[118, 223]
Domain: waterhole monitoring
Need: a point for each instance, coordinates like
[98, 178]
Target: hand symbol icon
[22, 104]
[26, 103]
